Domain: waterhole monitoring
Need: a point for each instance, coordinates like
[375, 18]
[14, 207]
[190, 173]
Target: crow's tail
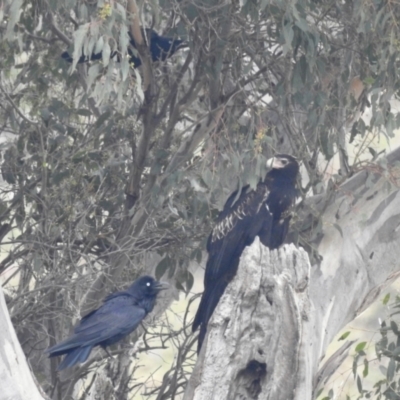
[75, 356]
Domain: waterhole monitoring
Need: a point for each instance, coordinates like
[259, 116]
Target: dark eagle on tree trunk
[262, 212]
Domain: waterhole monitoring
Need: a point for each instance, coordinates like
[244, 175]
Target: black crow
[120, 314]
[161, 48]
[261, 212]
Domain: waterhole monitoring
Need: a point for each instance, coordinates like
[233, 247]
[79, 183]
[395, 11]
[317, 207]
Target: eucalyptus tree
[110, 171]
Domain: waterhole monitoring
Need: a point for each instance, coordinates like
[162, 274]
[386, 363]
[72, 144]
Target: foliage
[385, 357]
[110, 170]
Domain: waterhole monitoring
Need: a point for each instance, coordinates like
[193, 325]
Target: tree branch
[268, 345]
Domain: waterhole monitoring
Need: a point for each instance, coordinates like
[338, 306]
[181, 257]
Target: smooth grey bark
[278, 315]
[261, 331]
[16, 379]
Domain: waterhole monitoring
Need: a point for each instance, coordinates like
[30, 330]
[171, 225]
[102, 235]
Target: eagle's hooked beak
[275, 163]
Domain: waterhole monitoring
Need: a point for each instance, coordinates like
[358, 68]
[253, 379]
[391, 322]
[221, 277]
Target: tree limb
[17, 381]
[268, 345]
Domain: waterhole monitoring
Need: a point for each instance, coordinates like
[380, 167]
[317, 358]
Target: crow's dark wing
[236, 227]
[115, 319]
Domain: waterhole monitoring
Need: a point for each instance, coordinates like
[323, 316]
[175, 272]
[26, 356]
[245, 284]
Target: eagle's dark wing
[280, 203]
[236, 227]
[261, 212]
[278, 232]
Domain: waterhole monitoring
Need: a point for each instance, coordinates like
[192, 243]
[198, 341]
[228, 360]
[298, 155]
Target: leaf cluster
[109, 170]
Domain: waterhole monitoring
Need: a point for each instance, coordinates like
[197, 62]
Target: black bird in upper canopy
[120, 314]
[261, 212]
[161, 48]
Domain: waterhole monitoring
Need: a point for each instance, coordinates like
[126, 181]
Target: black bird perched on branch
[120, 314]
[161, 48]
[261, 212]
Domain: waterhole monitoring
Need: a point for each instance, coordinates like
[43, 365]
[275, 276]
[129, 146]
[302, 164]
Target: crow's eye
[148, 284]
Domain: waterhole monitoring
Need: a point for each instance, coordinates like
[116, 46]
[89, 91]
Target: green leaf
[207, 177]
[365, 370]
[197, 255]
[288, 35]
[93, 73]
[83, 12]
[123, 40]
[390, 394]
[326, 144]
[369, 80]
[99, 45]
[8, 174]
[84, 112]
[179, 286]
[396, 352]
[299, 73]
[263, 4]
[14, 15]
[394, 327]
[373, 152]
[125, 68]
[3, 208]
[359, 384]
[391, 370]
[354, 366]
[344, 336]
[162, 267]
[360, 347]
[337, 226]
[103, 117]
[302, 24]
[189, 281]
[59, 176]
[79, 37]
[45, 114]
[106, 53]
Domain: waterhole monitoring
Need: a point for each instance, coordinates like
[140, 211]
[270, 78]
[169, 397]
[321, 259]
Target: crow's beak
[161, 286]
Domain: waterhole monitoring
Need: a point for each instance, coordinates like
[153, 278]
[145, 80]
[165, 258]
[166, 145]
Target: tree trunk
[261, 332]
[17, 381]
[277, 317]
